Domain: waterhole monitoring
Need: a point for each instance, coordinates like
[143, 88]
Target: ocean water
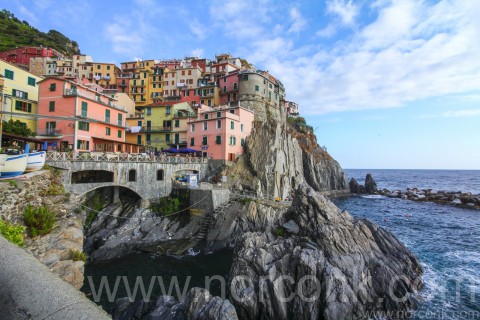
[445, 238]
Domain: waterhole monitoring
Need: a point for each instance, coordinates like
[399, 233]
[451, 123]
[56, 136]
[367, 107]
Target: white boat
[36, 161]
[14, 165]
[3, 158]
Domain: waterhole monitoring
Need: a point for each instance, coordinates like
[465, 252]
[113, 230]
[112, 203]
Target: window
[119, 133]
[167, 137]
[206, 116]
[219, 124]
[232, 111]
[160, 175]
[218, 139]
[192, 127]
[270, 85]
[98, 66]
[82, 125]
[209, 102]
[205, 126]
[20, 94]
[84, 109]
[245, 77]
[154, 86]
[177, 123]
[233, 140]
[192, 142]
[50, 126]
[107, 116]
[183, 72]
[269, 95]
[23, 106]
[132, 175]
[108, 67]
[168, 111]
[177, 138]
[82, 144]
[189, 72]
[235, 86]
[149, 111]
[257, 88]
[242, 141]
[31, 81]
[232, 125]
[120, 119]
[9, 74]
[139, 139]
[224, 88]
[107, 131]
[219, 114]
[148, 137]
[51, 106]
[241, 127]
[204, 140]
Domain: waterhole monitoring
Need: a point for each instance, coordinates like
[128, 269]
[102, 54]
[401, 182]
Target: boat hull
[14, 166]
[36, 161]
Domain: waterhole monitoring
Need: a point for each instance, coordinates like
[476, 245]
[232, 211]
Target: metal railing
[120, 157]
[49, 132]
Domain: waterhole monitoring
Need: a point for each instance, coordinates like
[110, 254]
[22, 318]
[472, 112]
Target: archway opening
[92, 176]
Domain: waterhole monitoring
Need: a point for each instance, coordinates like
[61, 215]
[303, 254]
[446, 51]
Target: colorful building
[81, 119]
[105, 74]
[220, 132]
[229, 87]
[260, 86]
[292, 108]
[82, 66]
[22, 55]
[165, 124]
[19, 97]
[135, 133]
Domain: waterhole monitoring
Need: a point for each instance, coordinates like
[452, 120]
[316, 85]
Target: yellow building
[135, 133]
[105, 74]
[165, 124]
[19, 95]
[146, 81]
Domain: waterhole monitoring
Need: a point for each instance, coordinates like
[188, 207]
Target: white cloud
[346, 10]
[124, 39]
[327, 32]
[197, 28]
[462, 113]
[198, 52]
[298, 21]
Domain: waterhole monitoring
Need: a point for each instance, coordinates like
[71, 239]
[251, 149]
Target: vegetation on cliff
[16, 33]
[13, 233]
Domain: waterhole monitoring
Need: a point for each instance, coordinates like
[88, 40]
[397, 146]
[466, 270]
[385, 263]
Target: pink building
[81, 118]
[228, 87]
[220, 132]
[292, 108]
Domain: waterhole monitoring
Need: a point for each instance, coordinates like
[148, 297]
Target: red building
[22, 55]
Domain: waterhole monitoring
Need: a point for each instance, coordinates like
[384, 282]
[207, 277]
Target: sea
[445, 238]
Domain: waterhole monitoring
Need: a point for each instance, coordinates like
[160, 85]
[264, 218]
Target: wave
[373, 196]
[464, 256]
[433, 283]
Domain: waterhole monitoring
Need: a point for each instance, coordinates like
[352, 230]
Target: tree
[17, 127]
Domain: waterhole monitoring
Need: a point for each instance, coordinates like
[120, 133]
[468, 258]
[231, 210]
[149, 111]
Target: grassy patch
[13, 233]
[245, 200]
[170, 205]
[279, 231]
[77, 255]
[39, 220]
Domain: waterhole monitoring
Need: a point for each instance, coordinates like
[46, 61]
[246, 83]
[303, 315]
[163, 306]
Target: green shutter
[29, 107]
[232, 125]
[119, 133]
[18, 105]
[84, 109]
[9, 74]
[31, 81]
[192, 142]
[120, 120]
[218, 140]
[88, 145]
[79, 144]
[51, 106]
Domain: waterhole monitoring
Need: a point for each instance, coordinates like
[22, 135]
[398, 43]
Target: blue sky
[386, 84]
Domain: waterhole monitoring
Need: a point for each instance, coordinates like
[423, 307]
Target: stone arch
[110, 186]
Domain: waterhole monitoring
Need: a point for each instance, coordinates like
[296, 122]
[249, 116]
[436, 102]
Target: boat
[36, 161]
[14, 165]
[3, 158]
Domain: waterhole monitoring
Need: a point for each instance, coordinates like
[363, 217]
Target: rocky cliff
[330, 266]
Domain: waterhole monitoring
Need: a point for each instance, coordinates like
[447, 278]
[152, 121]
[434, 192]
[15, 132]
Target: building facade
[22, 55]
[220, 132]
[19, 97]
[81, 119]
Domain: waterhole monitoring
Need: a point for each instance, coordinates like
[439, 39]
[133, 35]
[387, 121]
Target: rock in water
[336, 267]
[354, 186]
[370, 184]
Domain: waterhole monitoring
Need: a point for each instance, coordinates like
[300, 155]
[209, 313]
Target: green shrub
[245, 200]
[55, 189]
[77, 255]
[13, 233]
[96, 204]
[39, 220]
[279, 231]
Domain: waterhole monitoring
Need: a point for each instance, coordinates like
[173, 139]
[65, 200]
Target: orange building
[74, 117]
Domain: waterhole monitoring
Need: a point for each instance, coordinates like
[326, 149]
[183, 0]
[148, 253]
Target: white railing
[120, 157]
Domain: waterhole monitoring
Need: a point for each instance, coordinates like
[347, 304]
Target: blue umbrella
[171, 150]
[187, 150]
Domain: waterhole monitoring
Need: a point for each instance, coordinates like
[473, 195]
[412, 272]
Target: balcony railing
[156, 129]
[91, 96]
[49, 132]
[183, 115]
[119, 157]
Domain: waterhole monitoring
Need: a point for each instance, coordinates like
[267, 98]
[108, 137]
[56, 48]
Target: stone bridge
[150, 177]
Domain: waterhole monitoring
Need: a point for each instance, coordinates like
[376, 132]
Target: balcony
[91, 96]
[106, 77]
[183, 115]
[181, 85]
[97, 77]
[49, 132]
[122, 84]
[156, 129]
[177, 142]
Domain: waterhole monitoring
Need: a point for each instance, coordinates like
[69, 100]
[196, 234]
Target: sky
[386, 84]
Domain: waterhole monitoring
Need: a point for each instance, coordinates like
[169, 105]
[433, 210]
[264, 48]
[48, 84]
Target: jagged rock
[291, 227]
[198, 305]
[344, 265]
[370, 184]
[354, 186]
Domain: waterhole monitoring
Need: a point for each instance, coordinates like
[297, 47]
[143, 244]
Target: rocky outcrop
[198, 305]
[335, 267]
[355, 187]
[54, 250]
[370, 184]
[459, 199]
